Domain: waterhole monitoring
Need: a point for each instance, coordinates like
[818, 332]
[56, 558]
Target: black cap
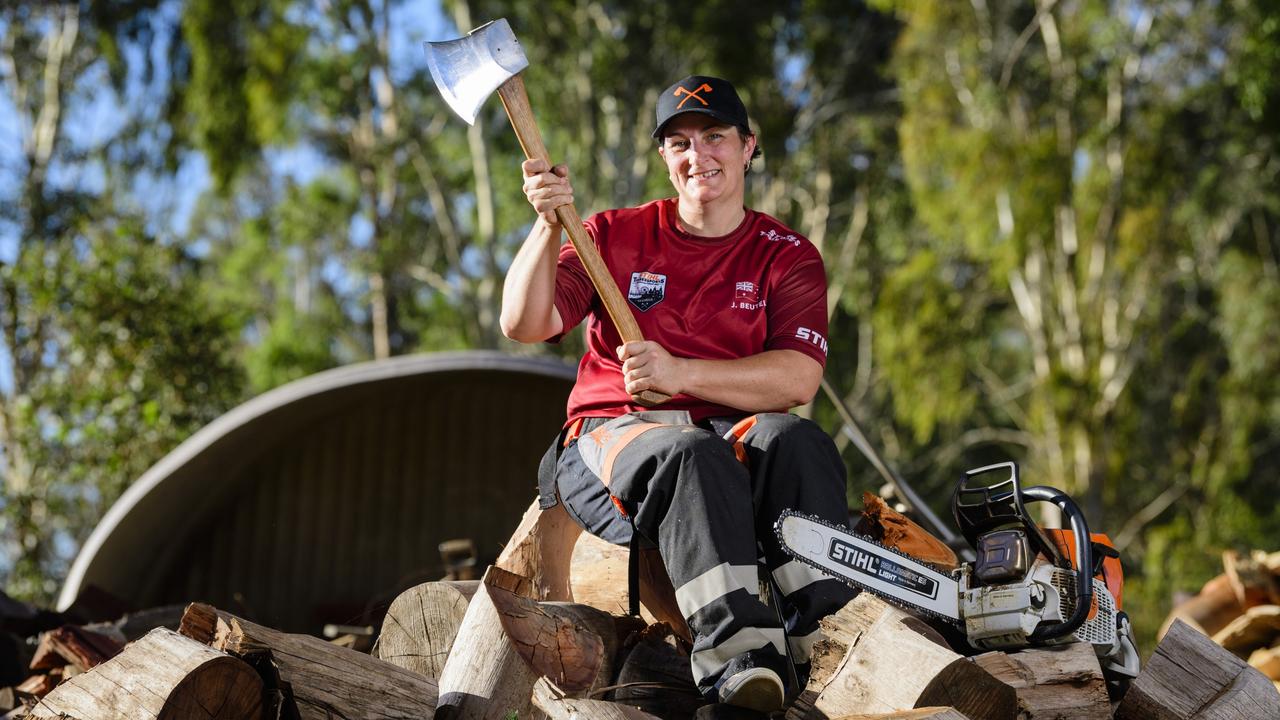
[701, 94]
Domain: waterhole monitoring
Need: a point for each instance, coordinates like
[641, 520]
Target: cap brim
[722, 117]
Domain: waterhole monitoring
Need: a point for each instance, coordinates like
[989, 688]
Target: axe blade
[467, 70]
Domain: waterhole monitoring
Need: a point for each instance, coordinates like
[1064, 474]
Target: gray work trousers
[709, 507]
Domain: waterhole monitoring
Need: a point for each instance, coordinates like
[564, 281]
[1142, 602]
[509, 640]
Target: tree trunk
[878, 659]
[327, 680]
[1059, 683]
[421, 624]
[164, 675]
[1190, 676]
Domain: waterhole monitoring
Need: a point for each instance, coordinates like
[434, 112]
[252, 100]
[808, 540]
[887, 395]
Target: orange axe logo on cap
[692, 94]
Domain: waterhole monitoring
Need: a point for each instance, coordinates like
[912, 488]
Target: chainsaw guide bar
[867, 565]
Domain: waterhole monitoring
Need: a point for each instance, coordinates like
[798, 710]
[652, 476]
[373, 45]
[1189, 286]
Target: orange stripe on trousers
[611, 454]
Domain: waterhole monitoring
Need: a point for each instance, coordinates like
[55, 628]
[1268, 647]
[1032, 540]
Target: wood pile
[1219, 651]
[515, 644]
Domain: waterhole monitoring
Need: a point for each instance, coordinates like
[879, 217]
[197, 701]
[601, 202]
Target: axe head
[469, 69]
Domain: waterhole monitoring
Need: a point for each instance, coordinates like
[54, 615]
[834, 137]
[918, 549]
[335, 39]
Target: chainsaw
[1028, 586]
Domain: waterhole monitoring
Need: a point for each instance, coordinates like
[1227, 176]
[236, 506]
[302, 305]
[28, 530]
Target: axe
[467, 71]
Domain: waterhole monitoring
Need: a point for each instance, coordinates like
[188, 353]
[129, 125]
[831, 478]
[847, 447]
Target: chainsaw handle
[1084, 562]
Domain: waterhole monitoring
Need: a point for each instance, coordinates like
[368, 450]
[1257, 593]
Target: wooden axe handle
[516, 102]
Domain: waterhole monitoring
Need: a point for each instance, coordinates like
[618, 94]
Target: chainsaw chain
[914, 609]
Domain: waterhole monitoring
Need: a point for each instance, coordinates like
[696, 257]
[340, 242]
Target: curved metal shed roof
[313, 498]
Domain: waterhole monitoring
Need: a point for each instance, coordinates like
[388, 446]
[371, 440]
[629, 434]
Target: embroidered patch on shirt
[647, 289]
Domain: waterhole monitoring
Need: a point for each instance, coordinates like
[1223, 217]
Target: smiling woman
[734, 305]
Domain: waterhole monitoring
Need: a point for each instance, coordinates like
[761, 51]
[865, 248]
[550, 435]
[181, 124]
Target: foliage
[111, 354]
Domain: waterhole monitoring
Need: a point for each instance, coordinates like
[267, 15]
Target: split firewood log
[163, 676]
[507, 640]
[1209, 611]
[1251, 579]
[486, 679]
[73, 645]
[421, 624]
[1267, 660]
[599, 572]
[326, 680]
[40, 684]
[930, 713]
[1258, 627]
[541, 549]
[893, 529]
[1063, 682]
[598, 575]
[559, 706]
[1190, 676]
[876, 658]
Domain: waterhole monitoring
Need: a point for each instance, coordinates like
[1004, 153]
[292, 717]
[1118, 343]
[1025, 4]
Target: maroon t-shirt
[761, 287]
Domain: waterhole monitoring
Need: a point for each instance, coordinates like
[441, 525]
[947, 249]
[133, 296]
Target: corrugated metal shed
[307, 503]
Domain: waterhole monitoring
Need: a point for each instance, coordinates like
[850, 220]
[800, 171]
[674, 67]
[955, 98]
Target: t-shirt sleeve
[574, 291]
[798, 309]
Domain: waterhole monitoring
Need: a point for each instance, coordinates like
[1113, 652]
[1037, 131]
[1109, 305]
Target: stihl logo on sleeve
[812, 336]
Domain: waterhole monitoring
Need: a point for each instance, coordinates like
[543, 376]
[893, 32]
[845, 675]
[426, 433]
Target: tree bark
[878, 659]
[164, 675]
[1059, 683]
[327, 680]
[1190, 676]
[421, 624]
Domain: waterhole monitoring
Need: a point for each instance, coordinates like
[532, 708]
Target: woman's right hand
[547, 188]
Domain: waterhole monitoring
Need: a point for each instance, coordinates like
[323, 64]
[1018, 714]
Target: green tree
[111, 355]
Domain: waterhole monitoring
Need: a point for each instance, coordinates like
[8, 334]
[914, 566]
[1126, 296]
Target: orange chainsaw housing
[1112, 574]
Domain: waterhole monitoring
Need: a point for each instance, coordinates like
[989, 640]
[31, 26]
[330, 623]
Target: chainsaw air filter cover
[1003, 556]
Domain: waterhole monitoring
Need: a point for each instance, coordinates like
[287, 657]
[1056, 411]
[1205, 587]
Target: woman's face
[706, 159]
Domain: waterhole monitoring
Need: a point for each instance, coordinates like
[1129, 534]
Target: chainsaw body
[1029, 586]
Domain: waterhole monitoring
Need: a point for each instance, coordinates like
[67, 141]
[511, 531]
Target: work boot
[755, 688]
